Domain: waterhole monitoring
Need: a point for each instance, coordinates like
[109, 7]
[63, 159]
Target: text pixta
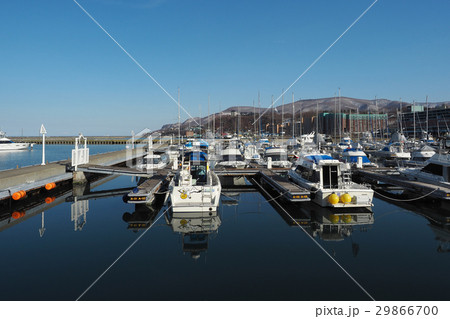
[337, 311]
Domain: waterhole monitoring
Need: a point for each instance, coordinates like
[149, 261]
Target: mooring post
[43, 131]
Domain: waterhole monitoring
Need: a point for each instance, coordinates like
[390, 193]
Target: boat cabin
[322, 169]
[196, 164]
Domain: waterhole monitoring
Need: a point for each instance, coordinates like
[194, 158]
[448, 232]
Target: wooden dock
[290, 191]
[145, 193]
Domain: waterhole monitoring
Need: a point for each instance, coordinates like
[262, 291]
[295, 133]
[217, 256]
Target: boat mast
[282, 112]
[335, 114]
[293, 117]
[301, 119]
[427, 116]
[376, 117]
[358, 120]
[273, 128]
[220, 120]
[340, 116]
[401, 117]
[259, 113]
[317, 125]
[414, 120]
[209, 126]
[254, 116]
[179, 119]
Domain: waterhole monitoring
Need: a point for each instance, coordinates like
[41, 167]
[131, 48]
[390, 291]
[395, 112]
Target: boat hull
[195, 198]
[15, 147]
[361, 196]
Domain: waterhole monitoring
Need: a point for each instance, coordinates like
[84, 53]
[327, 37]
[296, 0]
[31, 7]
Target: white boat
[351, 155]
[231, 157]
[7, 145]
[195, 188]
[153, 161]
[329, 182]
[279, 157]
[435, 171]
[422, 154]
[251, 153]
[393, 151]
[345, 142]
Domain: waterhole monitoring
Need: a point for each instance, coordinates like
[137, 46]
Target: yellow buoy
[183, 222]
[334, 218]
[333, 199]
[347, 218]
[183, 195]
[346, 198]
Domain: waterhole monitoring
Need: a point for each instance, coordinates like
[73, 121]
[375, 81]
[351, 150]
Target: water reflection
[326, 224]
[436, 212]
[14, 212]
[195, 229]
[329, 225]
[143, 215]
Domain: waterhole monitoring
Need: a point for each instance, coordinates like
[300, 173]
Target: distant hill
[329, 104]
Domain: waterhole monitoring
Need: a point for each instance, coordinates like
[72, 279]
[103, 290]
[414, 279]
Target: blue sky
[60, 69]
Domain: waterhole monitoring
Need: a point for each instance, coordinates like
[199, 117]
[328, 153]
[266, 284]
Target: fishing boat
[7, 145]
[393, 151]
[352, 155]
[231, 157]
[279, 157]
[421, 155]
[251, 153]
[195, 188]
[329, 182]
[435, 171]
[153, 161]
[345, 142]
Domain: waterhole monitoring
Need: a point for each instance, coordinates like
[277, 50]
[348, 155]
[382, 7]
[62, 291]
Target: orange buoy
[16, 215]
[49, 200]
[50, 186]
[18, 195]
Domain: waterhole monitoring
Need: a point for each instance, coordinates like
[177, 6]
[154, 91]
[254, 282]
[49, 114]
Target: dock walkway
[290, 191]
[384, 176]
[33, 178]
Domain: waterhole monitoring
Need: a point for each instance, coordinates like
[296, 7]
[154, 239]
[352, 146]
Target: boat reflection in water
[437, 213]
[195, 228]
[328, 224]
[144, 215]
[331, 226]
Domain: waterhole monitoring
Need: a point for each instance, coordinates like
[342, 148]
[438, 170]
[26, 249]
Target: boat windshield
[232, 158]
[6, 142]
[198, 173]
[434, 169]
[154, 160]
[308, 174]
[277, 158]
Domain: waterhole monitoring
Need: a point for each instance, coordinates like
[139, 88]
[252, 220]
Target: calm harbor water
[254, 251]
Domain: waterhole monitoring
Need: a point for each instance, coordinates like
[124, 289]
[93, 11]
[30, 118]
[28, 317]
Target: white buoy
[269, 162]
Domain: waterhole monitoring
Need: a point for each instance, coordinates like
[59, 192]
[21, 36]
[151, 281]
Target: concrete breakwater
[96, 140]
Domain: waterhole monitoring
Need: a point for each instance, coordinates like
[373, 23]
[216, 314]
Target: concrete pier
[35, 177]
